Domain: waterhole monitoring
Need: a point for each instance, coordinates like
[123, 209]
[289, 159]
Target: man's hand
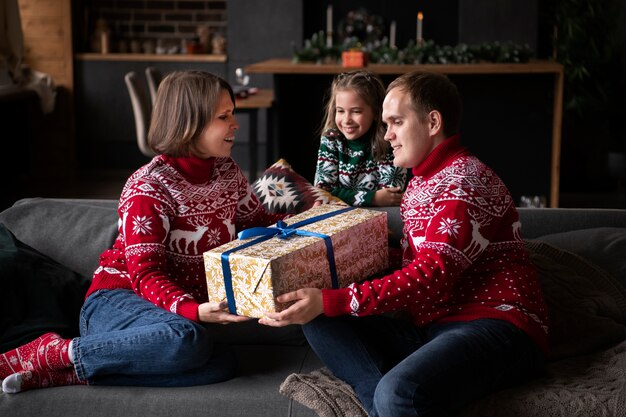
[218, 313]
[308, 305]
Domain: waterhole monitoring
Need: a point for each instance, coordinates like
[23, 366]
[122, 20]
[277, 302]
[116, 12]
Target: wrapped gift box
[262, 268]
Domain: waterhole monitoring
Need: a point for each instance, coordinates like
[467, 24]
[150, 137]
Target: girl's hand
[308, 305]
[218, 313]
[391, 196]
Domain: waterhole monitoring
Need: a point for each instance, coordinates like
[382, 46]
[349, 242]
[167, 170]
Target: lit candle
[420, 18]
[329, 25]
[392, 35]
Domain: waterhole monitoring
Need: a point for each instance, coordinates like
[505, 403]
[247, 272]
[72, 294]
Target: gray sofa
[63, 238]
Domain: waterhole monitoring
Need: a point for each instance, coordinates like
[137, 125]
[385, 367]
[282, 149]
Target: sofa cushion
[604, 246]
[38, 294]
[537, 222]
[254, 392]
[72, 232]
[586, 305]
[283, 190]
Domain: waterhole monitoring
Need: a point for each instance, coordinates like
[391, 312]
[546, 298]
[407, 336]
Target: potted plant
[586, 39]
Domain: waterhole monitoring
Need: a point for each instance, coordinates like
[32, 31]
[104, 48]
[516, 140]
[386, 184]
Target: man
[477, 318]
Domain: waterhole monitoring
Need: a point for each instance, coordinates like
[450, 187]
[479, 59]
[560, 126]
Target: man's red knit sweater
[171, 211]
[464, 257]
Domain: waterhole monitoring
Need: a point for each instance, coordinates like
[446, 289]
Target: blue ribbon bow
[282, 231]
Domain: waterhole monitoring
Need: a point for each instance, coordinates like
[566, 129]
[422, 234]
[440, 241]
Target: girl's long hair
[371, 90]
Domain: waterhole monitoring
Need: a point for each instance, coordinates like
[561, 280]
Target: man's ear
[435, 123]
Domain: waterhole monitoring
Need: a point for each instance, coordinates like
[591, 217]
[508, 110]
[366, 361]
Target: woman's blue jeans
[126, 340]
[398, 369]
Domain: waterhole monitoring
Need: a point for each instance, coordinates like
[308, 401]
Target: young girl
[142, 320]
[354, 162]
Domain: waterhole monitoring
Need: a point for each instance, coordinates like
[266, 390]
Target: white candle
[392, 35]
[420, 17]
[329, 26]
[329, 18]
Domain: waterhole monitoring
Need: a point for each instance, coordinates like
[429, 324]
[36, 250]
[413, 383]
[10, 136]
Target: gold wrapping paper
[267, 269]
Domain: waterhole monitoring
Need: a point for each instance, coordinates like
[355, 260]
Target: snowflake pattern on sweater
[171, 211]
[464, 257]
[347, 169]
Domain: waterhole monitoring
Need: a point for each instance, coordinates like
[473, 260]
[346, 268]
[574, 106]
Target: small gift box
[353, 59]
[324, 247]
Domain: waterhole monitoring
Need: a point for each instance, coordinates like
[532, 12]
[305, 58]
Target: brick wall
[165, 23]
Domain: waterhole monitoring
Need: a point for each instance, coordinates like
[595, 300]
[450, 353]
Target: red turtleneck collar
[440, 157]
[195, 170]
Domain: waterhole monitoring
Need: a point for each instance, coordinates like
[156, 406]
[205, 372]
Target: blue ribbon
[282, 231]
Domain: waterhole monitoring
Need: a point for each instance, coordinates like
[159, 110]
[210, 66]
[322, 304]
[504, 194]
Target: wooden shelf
[286, 66]
[151, 57]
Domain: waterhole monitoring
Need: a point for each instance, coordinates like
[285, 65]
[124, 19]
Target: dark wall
[260, 30]
[499, 20]
[507, 122]
[446, 22]
[440, 17]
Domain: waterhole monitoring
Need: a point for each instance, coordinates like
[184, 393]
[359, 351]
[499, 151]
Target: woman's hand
[308, 305]
[218, 313]
[391, 196]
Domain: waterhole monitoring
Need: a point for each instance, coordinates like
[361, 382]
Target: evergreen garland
[379, 52]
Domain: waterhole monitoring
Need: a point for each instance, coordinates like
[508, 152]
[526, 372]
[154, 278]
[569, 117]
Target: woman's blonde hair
[184, 105]
[371, 90]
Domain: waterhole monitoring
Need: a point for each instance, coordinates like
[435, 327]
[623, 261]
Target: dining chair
[142, 110]
[153, 77]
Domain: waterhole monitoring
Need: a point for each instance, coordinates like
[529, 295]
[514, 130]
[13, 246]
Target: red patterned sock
[48, 352]
[27, 380]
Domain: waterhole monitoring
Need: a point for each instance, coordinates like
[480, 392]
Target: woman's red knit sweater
[171, 211]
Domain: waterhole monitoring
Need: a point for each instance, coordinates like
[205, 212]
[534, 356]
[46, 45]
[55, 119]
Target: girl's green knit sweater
[349, 171]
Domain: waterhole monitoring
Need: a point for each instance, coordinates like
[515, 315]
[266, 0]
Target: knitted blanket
[587, 372]
[321, 391]
[587, 386]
